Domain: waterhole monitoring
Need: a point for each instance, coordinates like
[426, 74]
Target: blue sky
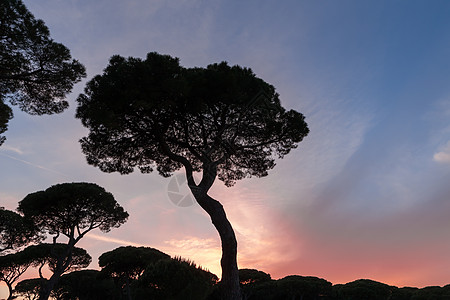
[365, 195]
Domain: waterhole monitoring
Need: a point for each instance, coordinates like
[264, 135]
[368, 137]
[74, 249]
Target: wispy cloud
[444, 155]
[205, 252]
[12, 149]
[192, 243]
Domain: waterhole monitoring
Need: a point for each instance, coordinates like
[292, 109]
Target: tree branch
[55, 237]
[40, 270]
[178, 158]
[265, 143]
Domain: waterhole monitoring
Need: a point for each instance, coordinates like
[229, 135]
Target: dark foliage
[28, 288]
[265, 290]
[16, 231]
[12, 266]
[127, 264]
[36, 73]
[364, 289]
[86, 285]
[73, 209]
[147, 273]
[54, 255]
[405, 293]
[149, 113]
[249, 276]
[258, 286]
[175, 279]
[432, 293]
[5, 115]
[167, 278]
[307, 288]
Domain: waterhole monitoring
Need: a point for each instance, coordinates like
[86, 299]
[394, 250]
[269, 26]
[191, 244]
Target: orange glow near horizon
[204, 252]
[270, 242]
[278, 255]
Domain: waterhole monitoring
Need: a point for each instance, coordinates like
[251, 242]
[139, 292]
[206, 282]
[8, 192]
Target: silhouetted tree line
[296, 287]
[68, 211]
[130, 273]
[138, 273]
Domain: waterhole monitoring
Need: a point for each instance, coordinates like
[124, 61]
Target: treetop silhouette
[36, 73]
[153, 113]
[220, 120]
[16, 231]
[71, 210]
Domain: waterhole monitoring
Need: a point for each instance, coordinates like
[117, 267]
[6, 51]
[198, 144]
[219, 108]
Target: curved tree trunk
[63, 262]
[229, 284]
[230, 289]
[47, 288]
[10, 290]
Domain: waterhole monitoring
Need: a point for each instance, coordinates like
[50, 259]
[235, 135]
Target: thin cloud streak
[114, 240]
[34, 165]
[13, 149]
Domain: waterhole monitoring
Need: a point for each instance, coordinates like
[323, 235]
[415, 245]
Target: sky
[365, 195]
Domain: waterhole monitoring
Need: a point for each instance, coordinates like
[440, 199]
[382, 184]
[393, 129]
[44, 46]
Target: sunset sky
[365, 195]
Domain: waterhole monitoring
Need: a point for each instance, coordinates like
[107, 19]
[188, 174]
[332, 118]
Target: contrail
[33, 165]
[113, 240]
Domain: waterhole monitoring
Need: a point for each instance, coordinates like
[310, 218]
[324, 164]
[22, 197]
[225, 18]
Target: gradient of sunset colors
[366, 194]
